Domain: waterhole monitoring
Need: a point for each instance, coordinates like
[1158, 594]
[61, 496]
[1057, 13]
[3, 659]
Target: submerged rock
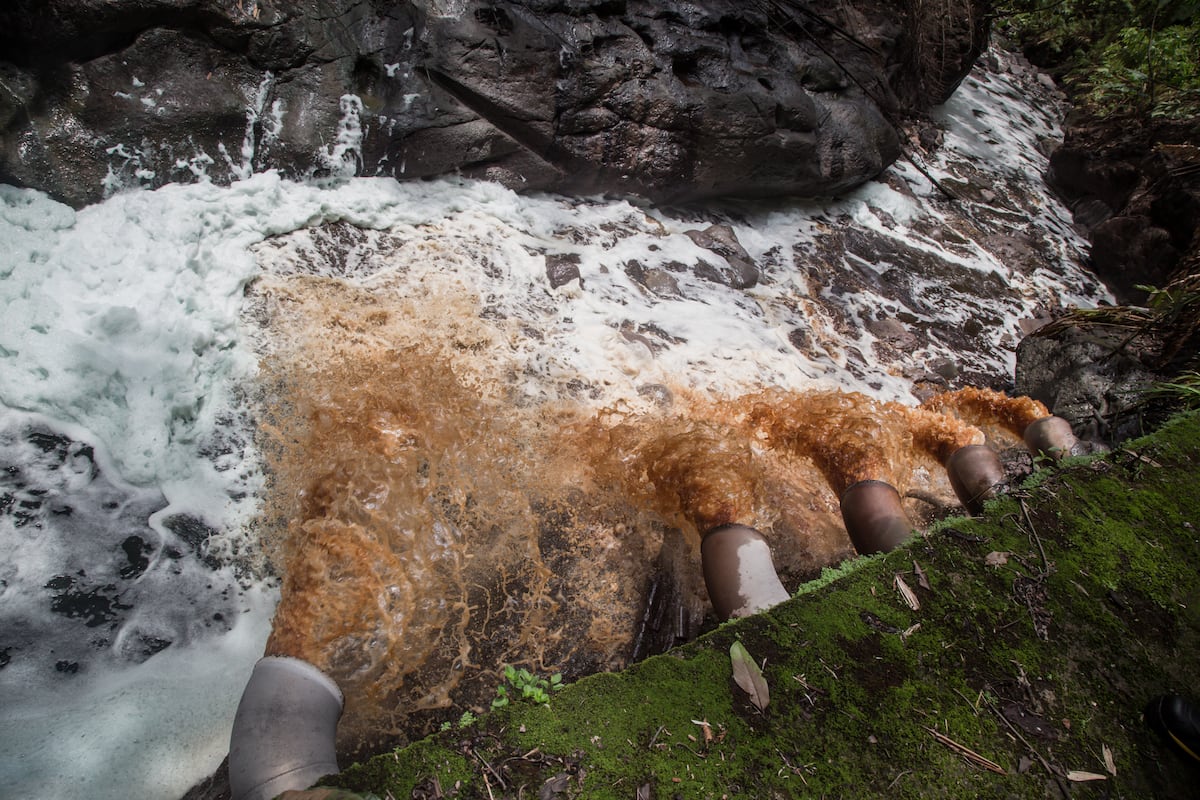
[671, 101]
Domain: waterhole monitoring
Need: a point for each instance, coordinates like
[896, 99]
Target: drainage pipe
[738, 572]
[975, 472]
[283, 733]
[874, 517]
[1050, 436]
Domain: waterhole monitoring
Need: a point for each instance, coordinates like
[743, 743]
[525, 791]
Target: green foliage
[521, 684]
[1118, 56]
[1185, 390]
[464, 721]
[1155, 72]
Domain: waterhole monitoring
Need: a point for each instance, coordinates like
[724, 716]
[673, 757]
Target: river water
[434, 428]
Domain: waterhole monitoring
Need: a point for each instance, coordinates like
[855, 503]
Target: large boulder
[1135, 188]
[673, 101]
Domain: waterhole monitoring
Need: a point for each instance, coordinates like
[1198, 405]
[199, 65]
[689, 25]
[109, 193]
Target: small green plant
[1185, 390]
[466, 719]
[521, 684]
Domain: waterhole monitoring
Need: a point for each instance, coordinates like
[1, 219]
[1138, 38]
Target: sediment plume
[433, 521]
[988, 406]
[940, 435]
[848, 436]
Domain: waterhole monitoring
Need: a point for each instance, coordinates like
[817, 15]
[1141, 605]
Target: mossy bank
[1039, 633]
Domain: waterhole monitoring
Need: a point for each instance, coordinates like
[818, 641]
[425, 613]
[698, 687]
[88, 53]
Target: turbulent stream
[413, 432]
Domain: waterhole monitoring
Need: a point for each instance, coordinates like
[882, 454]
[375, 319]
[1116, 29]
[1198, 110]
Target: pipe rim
[303, 669]
[866, 482]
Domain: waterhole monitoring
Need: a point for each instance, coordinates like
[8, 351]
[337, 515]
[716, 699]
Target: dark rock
[1095, 379]
[1135, 186]
[671, 101]
[1130, 251]
[739, 270]
[658, 282]
[562, 268]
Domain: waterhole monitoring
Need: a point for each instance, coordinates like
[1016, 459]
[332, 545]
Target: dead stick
[1045, 765]
[968, 753]
[488, 767]
[1036, 538]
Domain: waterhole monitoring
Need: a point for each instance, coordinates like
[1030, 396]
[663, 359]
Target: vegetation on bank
[1116, 57]
[1004, 656]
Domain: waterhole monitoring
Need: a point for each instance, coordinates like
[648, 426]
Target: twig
[968, 753]
[654, 738]
[1045, 765]
[1033, 532]
[488, 767]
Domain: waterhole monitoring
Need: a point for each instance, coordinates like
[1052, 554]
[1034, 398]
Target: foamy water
[136, 597]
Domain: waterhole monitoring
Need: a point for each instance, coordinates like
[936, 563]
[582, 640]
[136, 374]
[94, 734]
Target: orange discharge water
[432, 522]
[982, 406]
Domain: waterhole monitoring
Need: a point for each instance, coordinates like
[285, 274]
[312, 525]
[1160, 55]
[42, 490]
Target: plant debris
[748, 676]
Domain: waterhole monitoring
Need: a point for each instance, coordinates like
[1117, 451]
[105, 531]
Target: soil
[1042, 629]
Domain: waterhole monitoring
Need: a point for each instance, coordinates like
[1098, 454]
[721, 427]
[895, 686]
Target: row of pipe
[286, 723]
[739, 572]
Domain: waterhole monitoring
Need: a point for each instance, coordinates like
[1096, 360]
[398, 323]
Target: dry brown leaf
[1109, 763]
[906, 593]
[922, 581]
[996, 558]
[1079, 776]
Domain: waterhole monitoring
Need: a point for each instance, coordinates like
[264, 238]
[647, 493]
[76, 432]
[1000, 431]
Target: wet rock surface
[672, 101]
[1093, 378]
[110, 586]
[1136, 189]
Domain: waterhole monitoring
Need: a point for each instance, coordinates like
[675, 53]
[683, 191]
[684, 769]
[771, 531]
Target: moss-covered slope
[1042, 630]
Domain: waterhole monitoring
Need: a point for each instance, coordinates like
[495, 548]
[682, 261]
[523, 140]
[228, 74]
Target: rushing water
[470, 462]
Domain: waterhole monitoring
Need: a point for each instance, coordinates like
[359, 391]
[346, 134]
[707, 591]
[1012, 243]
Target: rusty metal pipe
[1050, 436]
[974, 471]
[874, 517]
[738, 571]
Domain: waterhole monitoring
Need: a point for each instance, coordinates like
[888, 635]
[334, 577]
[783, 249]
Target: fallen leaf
[1079, 776]
[554, 786]
[747, 675]
[1109, 763]
[643, 792]
[906, 594]
[922, 581]
[996, 559]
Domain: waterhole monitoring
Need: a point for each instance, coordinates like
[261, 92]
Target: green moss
[1045, 655]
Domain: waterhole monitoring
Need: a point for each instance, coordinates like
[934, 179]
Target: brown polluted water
[431, 522]
[988, 406]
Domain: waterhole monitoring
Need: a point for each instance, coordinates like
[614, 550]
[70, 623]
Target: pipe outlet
[874, 518]
[738, 572]
[1050, 436]
[974, 471]
[284, 730]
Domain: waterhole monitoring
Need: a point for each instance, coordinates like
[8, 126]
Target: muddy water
[432, 521]
[496, 427]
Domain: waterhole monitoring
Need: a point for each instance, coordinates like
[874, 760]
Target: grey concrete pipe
[874, 517]
[283, 733]
[1050, 436]
[974, 471]
[738, 572]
